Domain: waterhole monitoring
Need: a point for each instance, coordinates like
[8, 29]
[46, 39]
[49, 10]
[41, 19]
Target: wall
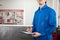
[27, 5]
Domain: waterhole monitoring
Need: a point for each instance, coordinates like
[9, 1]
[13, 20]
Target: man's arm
[52, 22]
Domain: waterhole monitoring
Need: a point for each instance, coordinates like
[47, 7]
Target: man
[44, 22]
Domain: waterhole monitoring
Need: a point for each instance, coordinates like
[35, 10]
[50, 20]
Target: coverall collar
[43, 6]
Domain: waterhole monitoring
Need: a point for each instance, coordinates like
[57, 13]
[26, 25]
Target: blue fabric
[44, 22]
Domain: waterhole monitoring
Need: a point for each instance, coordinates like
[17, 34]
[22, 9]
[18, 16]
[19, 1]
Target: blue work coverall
[44, 22]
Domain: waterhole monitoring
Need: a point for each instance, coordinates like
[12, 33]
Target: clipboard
[24, 32]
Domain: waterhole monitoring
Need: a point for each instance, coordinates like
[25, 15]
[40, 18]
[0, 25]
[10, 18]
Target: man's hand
[29, 29]
[36, 34]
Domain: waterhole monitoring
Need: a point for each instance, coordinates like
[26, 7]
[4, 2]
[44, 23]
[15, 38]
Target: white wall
[30, 7]
[12, 4]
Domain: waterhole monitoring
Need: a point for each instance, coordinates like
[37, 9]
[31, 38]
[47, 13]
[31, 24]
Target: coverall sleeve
[52, 22]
